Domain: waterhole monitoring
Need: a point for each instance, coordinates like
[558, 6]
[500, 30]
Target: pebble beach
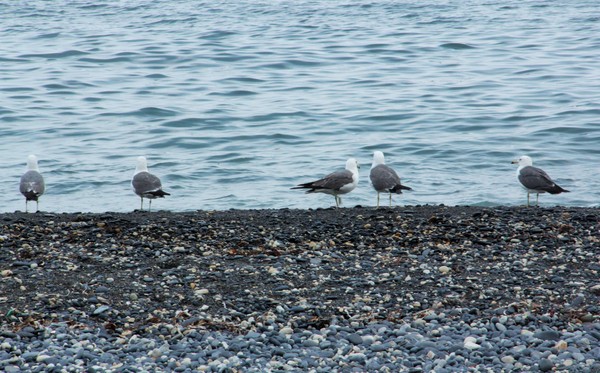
[405, 289]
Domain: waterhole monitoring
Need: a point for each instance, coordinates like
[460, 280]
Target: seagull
[336, 183]
[145, 184]
[32, 184]
[535, 180]
[384, 178]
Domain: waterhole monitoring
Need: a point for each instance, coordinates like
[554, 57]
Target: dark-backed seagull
[336, 183]
[384, 178]
[535, 180]
[32, 182]
[145, 184]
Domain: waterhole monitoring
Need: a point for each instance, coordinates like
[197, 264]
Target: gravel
[415, 289]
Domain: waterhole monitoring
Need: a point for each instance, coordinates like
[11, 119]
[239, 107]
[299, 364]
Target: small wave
[47, 36]
[215, 35]
[122, 54]
[276, 116]
[21, 97]
[376, 46]
[173, 21]
[275, 65]
[234, 93]
[386, 117]
[292, 89]
[231, 58]
[55, 86]
[5, 59]
[457, 46]
[105, 60]
[184, 123]
[93, 6]
[580, 112]
[153, 112]
[527, 71]
[565, 129]
[156, 76]
[145, 112]
[296, 62]
[17, 89]
[68, 53]
[59, 93]
[242, 79]
[517, 118]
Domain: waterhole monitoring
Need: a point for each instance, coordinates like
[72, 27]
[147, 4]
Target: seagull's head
[142, 164]
[378, 158]
[523, 161]
[32, 163]
[352, 165]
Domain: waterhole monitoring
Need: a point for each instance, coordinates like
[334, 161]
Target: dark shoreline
[284, 256]
[243, 271]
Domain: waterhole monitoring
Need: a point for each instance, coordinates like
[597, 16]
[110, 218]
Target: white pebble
[444, 269]
[508, 359]
[472, 346]
[42, 357]
[471, 343]
[286, 330]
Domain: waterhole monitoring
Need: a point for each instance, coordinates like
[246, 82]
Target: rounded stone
[546, 365]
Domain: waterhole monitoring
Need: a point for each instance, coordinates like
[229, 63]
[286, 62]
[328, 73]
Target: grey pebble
[548, 335]
[546, 365]
[355, 338]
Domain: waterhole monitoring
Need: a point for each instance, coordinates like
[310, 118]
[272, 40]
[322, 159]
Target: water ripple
[456, 46]
[67, 53]
[270, 94]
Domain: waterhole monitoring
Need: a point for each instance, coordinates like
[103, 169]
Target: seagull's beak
[514, 161]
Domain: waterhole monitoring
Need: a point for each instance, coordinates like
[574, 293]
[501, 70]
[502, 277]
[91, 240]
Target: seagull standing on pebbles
[336, 183]
[145, 184]
[535, 180]
[32, 184]
[384, 178]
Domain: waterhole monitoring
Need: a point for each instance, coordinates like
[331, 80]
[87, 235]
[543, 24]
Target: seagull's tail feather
[159, 193]
[399, 188]
[311, 188]
[555, 189]
[31, 195]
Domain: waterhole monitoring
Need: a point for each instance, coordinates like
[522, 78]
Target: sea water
[233, 102]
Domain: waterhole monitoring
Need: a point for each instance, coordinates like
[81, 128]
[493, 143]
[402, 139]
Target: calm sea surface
[233, 102]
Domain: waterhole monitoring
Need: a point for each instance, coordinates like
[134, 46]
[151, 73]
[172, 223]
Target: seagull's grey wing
[334, 181]
[145, 183]
[385, 179]
[536, 179]
[32, 185]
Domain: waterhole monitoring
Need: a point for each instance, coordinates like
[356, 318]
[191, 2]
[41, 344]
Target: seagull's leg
[377, 199]
[537, 199]
[527, 199]
[37, 205]
[149, 205]
[25, 204]
[390, 199]
[142, 204]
